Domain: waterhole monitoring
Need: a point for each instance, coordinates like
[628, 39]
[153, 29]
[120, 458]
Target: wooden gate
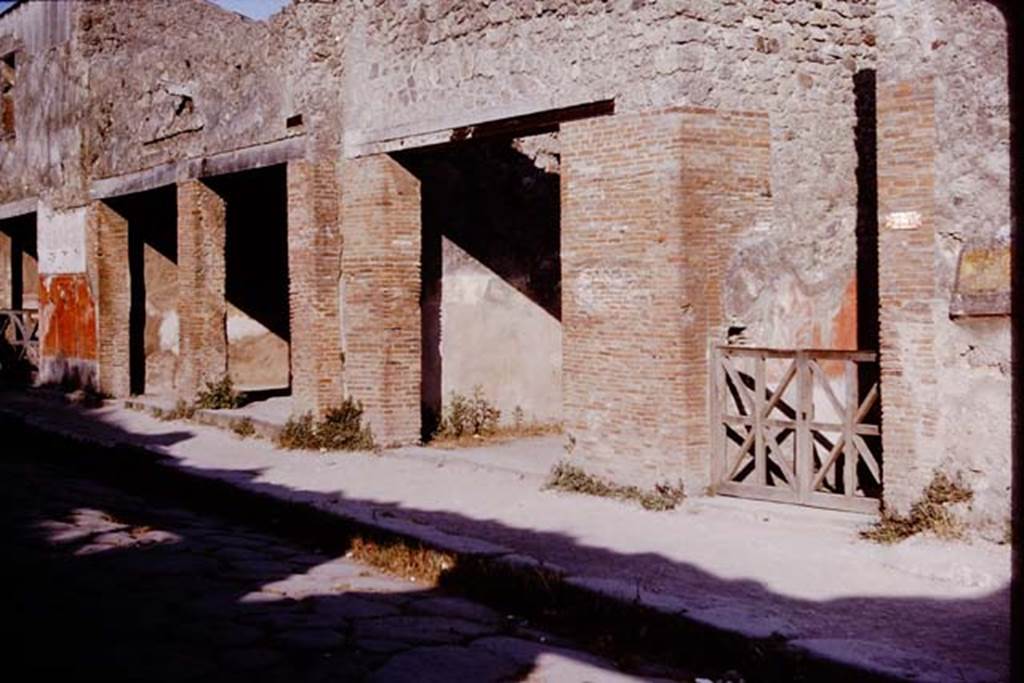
[797, 426]
[19, 332]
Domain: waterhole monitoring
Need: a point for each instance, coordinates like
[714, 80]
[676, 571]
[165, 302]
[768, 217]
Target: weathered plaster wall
[43, 157]
[170, 80]
[161, 341]
[67, 298]
[495, 338]
[954, 54]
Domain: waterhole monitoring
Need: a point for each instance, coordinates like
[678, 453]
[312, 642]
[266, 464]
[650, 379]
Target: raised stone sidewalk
[798, 579]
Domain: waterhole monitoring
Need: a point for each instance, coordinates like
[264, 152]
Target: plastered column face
[380, 307]
[645, 199]
[202, 305]
[111, 231]
[67, 299]
[314, 254]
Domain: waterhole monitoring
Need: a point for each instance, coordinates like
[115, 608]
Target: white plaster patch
[61, 240]
[903, 220]
[169, 334]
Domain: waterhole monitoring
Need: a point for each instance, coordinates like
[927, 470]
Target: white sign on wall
[61, 240]
[903, 220]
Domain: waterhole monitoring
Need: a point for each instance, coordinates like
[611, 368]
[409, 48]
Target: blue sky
[257, 9]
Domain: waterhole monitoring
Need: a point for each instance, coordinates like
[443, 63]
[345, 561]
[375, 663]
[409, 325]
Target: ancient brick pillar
[646, 200]
[6, 271]
[314, 263]
[908, 297]
[380, 294]
[111, 234]
[202, 308]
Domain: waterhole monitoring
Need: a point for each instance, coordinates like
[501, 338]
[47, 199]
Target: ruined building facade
[569, 204]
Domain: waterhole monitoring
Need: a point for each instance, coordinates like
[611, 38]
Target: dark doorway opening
[153, 273]
[491, 276]
[868, 305]
[256, 272]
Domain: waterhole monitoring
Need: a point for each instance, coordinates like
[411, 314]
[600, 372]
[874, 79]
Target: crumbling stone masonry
[616, 187]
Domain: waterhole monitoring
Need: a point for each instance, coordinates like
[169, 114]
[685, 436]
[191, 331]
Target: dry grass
[501, 434]
[566, 477]
[931, 514]
[182, 410]
[398, 558]
[243, 428]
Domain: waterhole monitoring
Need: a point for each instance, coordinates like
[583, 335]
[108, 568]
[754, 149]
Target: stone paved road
[104, 585]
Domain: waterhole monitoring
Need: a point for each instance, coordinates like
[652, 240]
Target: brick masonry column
[202, 307]
[6, 283]
[111, 234]
[380, 294]
[314, 267]
[645, 200]
[908, 297]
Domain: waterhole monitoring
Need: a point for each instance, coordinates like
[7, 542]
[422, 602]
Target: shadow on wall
[499, 206]
[256, 275]
[256, 249]
[84, 641]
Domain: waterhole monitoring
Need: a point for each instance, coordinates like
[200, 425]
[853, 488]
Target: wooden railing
[798, 426]
[19, 333]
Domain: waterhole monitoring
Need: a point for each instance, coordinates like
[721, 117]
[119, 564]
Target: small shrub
[218, 395]
[931, 513]
[566, 477]
[468, 416]
[243, 428]
[298, 433]
[341, 429]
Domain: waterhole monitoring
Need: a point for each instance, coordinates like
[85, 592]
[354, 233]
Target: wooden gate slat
[807, 475]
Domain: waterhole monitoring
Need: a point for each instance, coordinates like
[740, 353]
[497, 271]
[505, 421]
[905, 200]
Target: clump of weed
[931, 513]
[219, 395]
[471, 420]
[182, 410]
[472, 416]
[566, 477]
[243, 428]
[340, 429]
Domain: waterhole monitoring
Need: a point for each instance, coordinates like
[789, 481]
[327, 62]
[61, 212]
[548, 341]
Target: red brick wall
[314, 254]
[202, 308]
[380, 294]
[648, 204]
[907, 286]
[111, 234]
